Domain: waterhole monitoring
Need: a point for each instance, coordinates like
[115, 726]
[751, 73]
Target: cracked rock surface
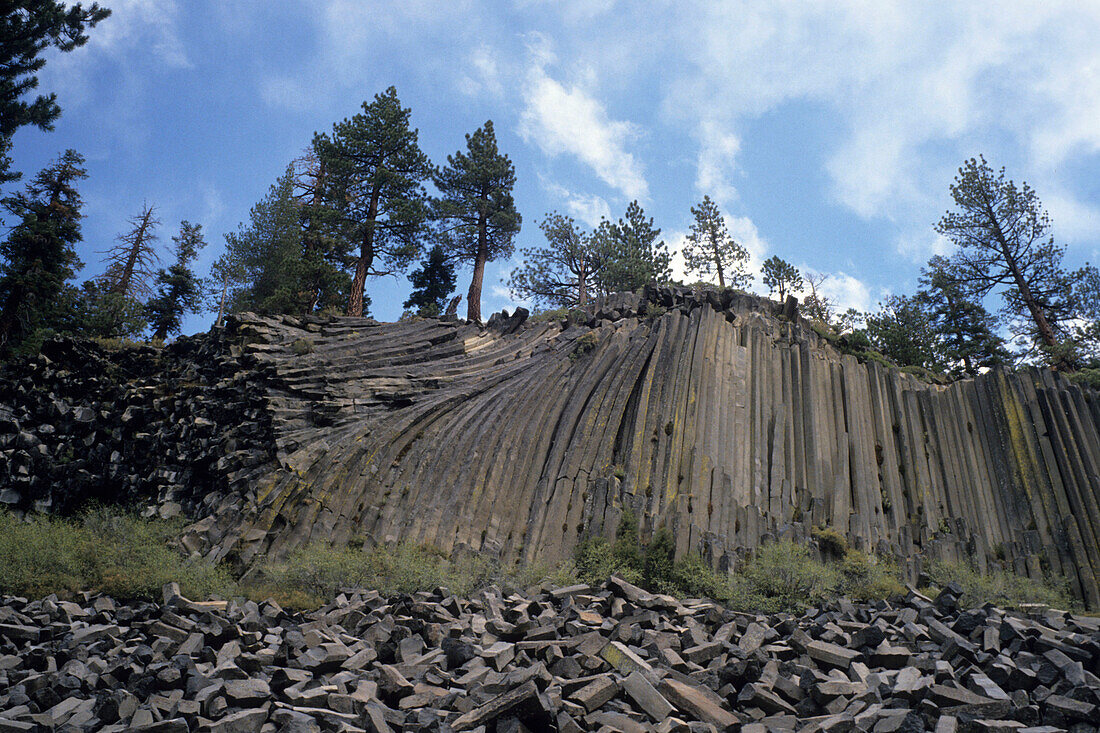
[722, 416]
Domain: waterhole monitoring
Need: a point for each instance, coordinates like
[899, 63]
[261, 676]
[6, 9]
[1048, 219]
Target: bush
[119, 554]
[784, 571]
[868, 577]
[301, 347]
[832, 543]
[1000, 588]
[657, 570]
[584, 344]
[1086, 378]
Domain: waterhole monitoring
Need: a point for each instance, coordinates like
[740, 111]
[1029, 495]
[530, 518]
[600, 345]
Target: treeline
[364, 201]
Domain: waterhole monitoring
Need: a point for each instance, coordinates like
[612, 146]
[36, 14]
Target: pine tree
[781, 277]
[966, 330]
[817, 305]
[39, 254]
[903, 331]
[432, 283]
[325, 258]
[28, 29]
[561, 274]
[634, 255]
[375, 172]
[131, 263]
[1003, 236]
[711, 250]
[179, 291]
[477, 208]
[265, 257]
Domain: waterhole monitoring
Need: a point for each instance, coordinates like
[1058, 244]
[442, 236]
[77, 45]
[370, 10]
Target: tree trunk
[582, 287]
[221, 305]
[473, 299]
[366, 258]
[1046, 333]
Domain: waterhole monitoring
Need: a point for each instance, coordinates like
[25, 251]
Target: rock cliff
[710, 412]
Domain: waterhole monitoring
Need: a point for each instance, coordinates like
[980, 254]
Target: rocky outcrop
[568, 659]
[716, 414]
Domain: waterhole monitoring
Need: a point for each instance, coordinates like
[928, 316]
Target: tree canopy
[560, 274]
[476, 207]
[710, 250]
[28, 28]
[373, 182]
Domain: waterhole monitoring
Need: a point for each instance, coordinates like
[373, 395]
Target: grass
[119, 554]
[131, 558]
[1000, 588]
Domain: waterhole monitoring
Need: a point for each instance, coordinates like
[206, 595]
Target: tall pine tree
[477, 208]
[781, 277]
[39, 254]
[1004, 244]
[966, 330]
[562, 273]
[374, 174]
[635, 256]
[179, 291]
[710, 250]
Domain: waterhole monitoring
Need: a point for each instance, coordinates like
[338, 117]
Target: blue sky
[828, 132]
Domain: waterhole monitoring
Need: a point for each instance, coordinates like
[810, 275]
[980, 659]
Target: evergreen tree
[179, 291]
[561, 274]
[96, 312]
[711, 250]
[781, 277]
[477, 208]
[325, 258]
[966, 330]
[1004, 241]
[39, 254]
[28, 28]
[432, 283]
[131, 263]
[374, 171]
[634, 255]
[902, 331]
[264, 259]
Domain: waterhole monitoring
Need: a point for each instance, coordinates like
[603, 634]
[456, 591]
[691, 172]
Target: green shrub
[832, 543]
[1086, 378]
[547, 316]
[659, 561]
[784, 571]
[302, 346]
[119, 554]
[1000, 588]
[584, 345]
[652, 311]
[627, 550]
[868, 577]
[692, 577]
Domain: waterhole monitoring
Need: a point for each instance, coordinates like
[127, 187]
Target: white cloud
[918, 246]
[717, 163]
[588, 209]
[900, 77]
[145, 25]
[844, 291]
[485, 76]
[569, 120]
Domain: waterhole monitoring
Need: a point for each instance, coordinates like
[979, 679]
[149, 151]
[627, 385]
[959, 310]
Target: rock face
[716, 414]
[611, 658]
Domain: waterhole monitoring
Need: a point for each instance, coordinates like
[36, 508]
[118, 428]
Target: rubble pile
[170, 427]
[611, 658]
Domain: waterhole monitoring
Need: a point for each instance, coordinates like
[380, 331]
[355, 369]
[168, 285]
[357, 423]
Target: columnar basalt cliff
[713, 413]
